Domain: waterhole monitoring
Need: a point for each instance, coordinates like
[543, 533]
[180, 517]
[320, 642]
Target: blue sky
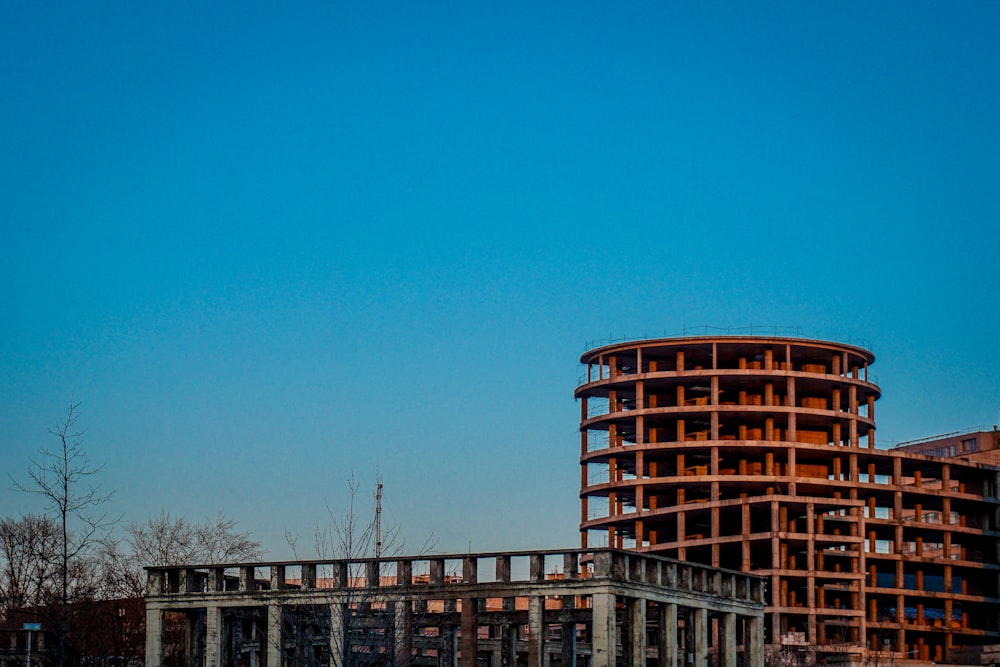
[268, 246]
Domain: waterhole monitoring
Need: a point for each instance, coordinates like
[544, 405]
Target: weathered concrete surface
[542, 608]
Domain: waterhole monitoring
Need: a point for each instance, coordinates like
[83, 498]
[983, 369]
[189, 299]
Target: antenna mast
[378, 520]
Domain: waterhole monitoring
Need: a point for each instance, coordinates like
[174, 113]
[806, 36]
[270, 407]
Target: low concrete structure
[597, 607]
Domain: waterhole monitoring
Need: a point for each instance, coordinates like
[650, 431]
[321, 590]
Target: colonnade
[601, 608]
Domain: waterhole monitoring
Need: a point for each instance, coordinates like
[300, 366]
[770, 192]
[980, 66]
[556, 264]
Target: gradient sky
[270, 245]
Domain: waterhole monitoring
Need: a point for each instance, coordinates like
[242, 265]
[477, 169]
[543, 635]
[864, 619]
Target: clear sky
[267, 244]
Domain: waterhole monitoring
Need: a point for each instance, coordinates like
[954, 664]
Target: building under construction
[758, 454]
[733, 500]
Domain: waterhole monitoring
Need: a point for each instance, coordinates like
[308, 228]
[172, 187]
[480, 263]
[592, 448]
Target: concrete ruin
[594, 607]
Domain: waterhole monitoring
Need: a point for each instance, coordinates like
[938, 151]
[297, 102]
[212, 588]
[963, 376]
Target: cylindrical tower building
[758, 454]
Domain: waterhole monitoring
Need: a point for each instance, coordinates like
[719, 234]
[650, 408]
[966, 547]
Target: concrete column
[667, 647]
[247, 576]
[213, 637]
[508, 645]
[277, 577]
[699, 637]
[755, 641]
[811, 567]
[727, 640]
[338, 636]
[568, 645]
[604, 638]
[192, 636]
[449, 651]
[791, 471]
[536, 632]
[216, 580]
[402, 636]
[468, 639]
[852, 394]
[637, 631]
[308, 575]
[274, 647]
[154, 637]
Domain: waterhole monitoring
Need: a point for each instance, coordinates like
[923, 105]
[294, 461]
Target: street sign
[32, 626]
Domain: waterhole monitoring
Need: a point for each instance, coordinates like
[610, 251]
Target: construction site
[758, 455]
[735, 512]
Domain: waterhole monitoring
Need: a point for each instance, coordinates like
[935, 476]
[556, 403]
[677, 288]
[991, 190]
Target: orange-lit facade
[758, 454]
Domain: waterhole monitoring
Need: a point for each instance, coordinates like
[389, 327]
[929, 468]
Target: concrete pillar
[603, 634]
[247, 578]
[791, 471]
[727, 639]
[449, 650]
[503, 568]
[402, 632]
[338, 636]
[754, 642]
[192, 636]
[277, 577]
[852, 398]
[637, 632]
[154, 637]
[699, 637]
[568, 642]
[468, 639]
[568, 645]
[213, 637]
[508, 645]
[216, 579]
[667, 647]
[274, 635]
[536, 632]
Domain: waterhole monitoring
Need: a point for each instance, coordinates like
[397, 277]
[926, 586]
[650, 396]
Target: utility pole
[31, 627]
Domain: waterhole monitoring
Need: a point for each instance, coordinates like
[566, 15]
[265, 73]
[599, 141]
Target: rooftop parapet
[558, 569]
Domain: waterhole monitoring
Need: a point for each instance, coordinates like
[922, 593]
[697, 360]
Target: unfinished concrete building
[758, 454]
[540, 609]
[976, 445]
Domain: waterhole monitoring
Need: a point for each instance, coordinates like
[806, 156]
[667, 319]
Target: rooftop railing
[450, 573]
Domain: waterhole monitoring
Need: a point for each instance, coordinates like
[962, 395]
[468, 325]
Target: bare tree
[63, 477]
[219, 542]
[165, 540]
[28, 553]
